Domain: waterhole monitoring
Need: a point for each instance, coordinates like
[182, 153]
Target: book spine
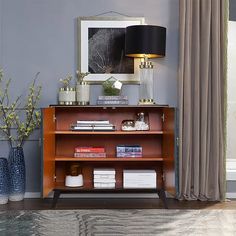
[112, 97]
[89, 149]
[78, 128]
[128, 149]
[129, 154]
[92, 122]
[99, 176]
[104, 127]
[104, 180]
[111, 102]
[104, 185]
[89, 154]
[91, 125]
[127, 145]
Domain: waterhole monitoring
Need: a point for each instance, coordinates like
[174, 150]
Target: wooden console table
[59, 142]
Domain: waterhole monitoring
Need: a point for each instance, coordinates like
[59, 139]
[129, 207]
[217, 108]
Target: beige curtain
[202, 86]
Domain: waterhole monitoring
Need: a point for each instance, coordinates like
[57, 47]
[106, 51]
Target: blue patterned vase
[4, 181]
[17, 174]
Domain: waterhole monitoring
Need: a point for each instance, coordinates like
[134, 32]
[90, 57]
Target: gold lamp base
[146, 102]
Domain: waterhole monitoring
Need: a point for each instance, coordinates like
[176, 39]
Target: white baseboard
[32, 195]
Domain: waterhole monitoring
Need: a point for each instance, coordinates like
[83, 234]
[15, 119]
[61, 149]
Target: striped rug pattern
[118, 222]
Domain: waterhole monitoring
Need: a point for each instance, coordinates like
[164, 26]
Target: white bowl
[74, 181]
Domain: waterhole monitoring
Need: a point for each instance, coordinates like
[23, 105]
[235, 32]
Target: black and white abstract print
[106, 53]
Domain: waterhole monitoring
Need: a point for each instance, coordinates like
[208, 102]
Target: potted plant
[17, 122]
[111, 87]
[67, 94]
[82, 89]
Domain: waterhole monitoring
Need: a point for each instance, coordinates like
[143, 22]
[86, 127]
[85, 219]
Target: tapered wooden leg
[55, 198]
[162, 195]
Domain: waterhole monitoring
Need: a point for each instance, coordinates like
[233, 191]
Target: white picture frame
[94, 51]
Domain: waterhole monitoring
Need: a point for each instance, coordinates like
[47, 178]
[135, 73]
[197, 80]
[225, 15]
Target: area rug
[118, 222]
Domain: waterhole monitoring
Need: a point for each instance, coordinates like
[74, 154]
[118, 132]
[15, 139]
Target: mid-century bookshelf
[59, 141]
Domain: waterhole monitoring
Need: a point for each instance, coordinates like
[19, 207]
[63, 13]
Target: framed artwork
[101, 49]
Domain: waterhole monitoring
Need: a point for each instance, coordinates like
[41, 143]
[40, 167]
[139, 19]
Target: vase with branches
[18, 120]
[67, 93]
[82, 88]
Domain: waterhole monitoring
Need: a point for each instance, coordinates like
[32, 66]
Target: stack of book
[128, 151]
[93, 125]
[139, 179]
[90, 152]
[104, 178]
[112, 100]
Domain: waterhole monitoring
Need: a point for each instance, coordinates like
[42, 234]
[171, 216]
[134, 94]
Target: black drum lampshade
[145, 41]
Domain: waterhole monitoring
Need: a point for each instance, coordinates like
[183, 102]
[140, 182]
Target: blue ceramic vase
[17, 174]
[4, 181]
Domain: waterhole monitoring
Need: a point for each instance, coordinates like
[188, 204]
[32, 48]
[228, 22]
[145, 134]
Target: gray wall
[231, 187]
[1, 16]
[40, 35]
[232, 10]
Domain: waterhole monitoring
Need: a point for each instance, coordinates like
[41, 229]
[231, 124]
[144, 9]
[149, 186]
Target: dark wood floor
[114, 203]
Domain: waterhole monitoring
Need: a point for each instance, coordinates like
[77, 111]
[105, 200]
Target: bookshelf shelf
[59, 142]
[72, 132]
[62, 188]
[111, 159]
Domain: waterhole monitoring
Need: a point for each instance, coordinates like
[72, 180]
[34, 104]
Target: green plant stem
[27, 125]
[5, 117]
[31, 111]
[10, 116]
[5, 95]
[30, 115]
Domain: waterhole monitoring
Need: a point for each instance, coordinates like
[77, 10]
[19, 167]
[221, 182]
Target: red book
[89, 149]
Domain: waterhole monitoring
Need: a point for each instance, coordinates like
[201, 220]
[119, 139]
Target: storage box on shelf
[59, 143]
[139, 179]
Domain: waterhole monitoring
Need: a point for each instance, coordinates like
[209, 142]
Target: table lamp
[145, 41]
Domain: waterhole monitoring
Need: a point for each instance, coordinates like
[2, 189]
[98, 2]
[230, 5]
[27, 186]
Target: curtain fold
[202, 83]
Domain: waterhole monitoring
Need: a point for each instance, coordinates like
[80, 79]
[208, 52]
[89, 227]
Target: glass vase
[17, 174]
[142, 122]
[4, 181]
